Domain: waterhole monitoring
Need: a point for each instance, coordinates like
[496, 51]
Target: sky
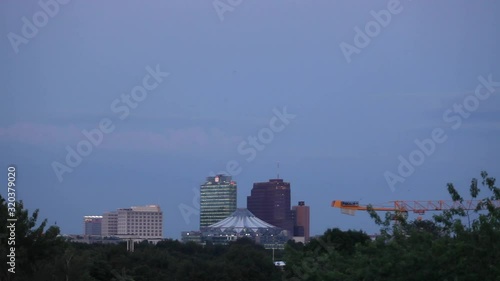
[114, 104]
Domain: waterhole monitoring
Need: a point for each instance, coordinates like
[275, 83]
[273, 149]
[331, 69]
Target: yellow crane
[418, 207]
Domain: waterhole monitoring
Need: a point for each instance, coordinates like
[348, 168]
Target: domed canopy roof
[242, 219]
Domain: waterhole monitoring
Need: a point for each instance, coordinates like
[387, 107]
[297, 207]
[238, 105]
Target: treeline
[454, 245]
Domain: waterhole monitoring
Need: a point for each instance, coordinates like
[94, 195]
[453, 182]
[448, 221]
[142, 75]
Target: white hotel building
[140, 222]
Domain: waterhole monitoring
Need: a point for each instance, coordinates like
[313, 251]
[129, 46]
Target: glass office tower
[217, 199]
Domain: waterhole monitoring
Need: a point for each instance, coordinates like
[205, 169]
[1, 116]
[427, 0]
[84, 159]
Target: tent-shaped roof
[241, 219]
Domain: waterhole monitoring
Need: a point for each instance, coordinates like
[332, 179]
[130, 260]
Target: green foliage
[36, 246]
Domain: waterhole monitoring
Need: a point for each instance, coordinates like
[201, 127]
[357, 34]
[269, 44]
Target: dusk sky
[333, 91]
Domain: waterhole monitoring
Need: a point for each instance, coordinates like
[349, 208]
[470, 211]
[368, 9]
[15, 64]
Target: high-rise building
[301, 214]
[217, 199]
[144, 222]
[141, 222]
[110, 224]
[270, 202]
[92, 225]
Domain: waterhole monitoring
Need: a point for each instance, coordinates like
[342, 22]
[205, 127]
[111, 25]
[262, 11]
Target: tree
[35, 246]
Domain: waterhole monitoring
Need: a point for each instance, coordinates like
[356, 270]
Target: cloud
[39, 133]
[488, 126]
[186, 139]
[183, 139]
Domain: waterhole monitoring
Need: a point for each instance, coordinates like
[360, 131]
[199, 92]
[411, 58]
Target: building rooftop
[147, 208]
[241, 219]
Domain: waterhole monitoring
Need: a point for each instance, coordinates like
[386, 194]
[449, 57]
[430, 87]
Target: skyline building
[109, 224]
[217, 199]
[301, 215]
[242, 223]
[92, 225]
[142, 221]
[139, 222]
[270, 202]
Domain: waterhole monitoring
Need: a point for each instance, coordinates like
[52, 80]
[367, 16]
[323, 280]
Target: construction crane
[405, 206]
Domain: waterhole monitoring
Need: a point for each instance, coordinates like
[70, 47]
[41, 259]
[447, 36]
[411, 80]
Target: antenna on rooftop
[278, 169]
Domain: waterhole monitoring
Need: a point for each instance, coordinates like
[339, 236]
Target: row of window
[149, 227]
[215, 194]
[144, 217]
[216, 212]
[144, 214]
[145, 233]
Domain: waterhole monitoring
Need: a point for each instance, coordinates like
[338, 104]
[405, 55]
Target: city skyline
[112, 104]
[267, 216]
[218, 196]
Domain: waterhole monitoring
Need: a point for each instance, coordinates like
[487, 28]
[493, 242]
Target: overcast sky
[356, 100]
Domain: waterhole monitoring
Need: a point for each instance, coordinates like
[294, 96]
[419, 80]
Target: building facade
[92, 225]
[301, 214]
[217, 199]
[138, 222]
[110, 224]
[143, 222]
[270, 202]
